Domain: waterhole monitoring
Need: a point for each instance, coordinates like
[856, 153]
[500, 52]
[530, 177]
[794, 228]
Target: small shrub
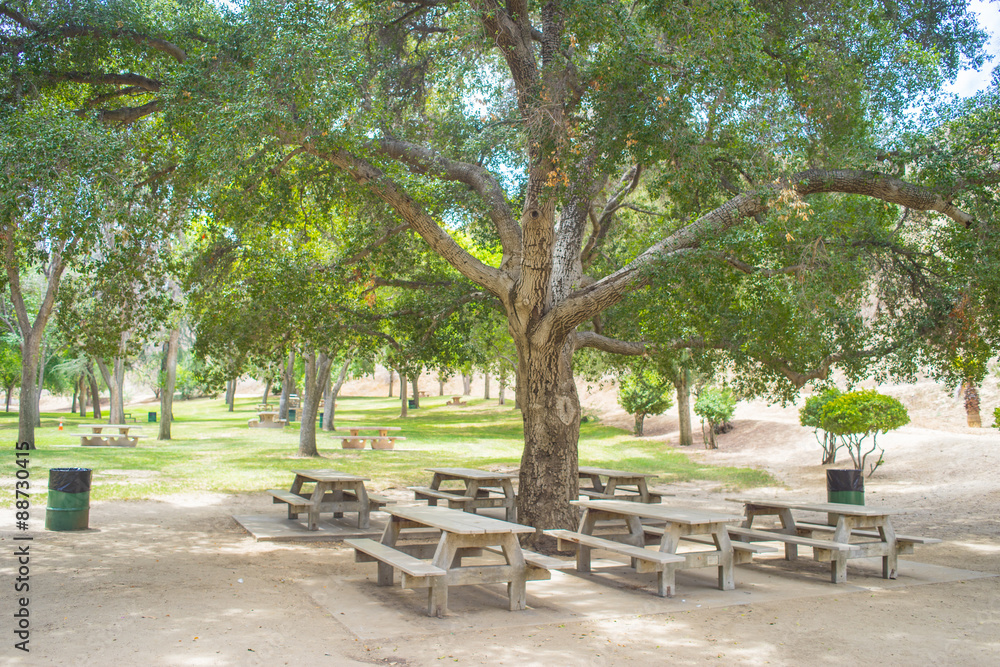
[858, 414]
[996, 417]
[644, 393]
[716, 406]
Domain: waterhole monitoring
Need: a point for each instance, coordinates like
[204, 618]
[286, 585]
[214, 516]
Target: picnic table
[481, 488]
[632, 485]
[97, 437]
[692, 525]
[332, 491]
[381, 441]
[267, 419]
[438, 565]
[843, 522]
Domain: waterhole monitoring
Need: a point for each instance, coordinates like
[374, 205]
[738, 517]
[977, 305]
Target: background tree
[716, 406]
[855, 416]
[643, 392]
[811, 415]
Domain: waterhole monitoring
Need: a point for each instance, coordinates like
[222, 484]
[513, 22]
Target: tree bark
[82, 382]
[486, 386]
[287, 375]
[392, 375]
[971, 394]
[115, 382]
[550, 407]
[640, 420]
[402, 396]
[95, 392]
[76, 391]
[168, 379]
[333, 390]
[317, 367]
[466, 384]
[683, 387]
[440, 387]
[416, 391]
[231, 394]
[267, 391]
[41, 386]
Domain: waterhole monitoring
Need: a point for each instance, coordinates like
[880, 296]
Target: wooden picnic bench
[462, 535]
[481, 489]
[120, 438]
[680, 523]
[356, 440]
[455, 400]
[267, 419]
[608, 484]
[844, 522]
[333, 491]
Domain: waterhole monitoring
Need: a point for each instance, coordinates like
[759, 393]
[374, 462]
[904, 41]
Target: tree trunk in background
[76, 391]
[28, 399]
[392, 375]
[40, 386]
[500, 397]
[486, 386]
[416, 391]
[639, 422]
[116, 406]
[287, 376]
[168, 378]
[82, 382]
[95, 392]
[683, 388]
[231, 394]
[440, 387]
[402, 395]
[317, 368]
[466, 384]
[267, 391]
[332, 391]
[971, 394]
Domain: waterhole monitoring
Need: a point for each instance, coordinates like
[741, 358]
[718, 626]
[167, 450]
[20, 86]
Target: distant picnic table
[381, 441]
[480, 488]
[98, 438]
[332, 491]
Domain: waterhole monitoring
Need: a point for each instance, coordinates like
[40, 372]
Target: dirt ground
[175, 581]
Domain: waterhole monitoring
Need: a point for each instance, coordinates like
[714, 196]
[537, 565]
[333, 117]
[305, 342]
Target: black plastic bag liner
[845, 480]
[70, 480]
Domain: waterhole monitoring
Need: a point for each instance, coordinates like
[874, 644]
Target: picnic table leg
[636, 536]
[666, 578]
[389, 537]
[437, 594]
[587, 523]
[727, 581]
[788, 524]
[364, 508]
[510, 500]
[472, 491]
[517, 594]
[838, 559]
[643, 490]
[890, 560]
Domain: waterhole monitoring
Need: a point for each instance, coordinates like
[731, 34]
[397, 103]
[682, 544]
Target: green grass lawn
[214, 450]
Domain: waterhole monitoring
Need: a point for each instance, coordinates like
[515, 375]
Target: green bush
[996, 417]
[644, 393]
[858, 414]
[716, 406]
[811, 415]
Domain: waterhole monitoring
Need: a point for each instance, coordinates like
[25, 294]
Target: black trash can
[411, 403]
[152, 417]
[68, 507]
[845, 486]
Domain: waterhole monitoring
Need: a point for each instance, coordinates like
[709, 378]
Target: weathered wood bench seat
[539, 560]
[750, 534]
[298, 503]
[434, 495]
[366, 551]
[904, 543]
[743, 552]
[643, 560]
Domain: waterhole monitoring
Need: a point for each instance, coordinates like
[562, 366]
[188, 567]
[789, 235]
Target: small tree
[858, 414]
[644, 393]
[996, 417]
[716, 406]
[811, 415]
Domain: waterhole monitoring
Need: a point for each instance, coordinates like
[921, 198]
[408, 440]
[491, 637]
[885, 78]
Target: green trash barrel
[151, 416]
[68, 507]
[845, 486]
[291, 414]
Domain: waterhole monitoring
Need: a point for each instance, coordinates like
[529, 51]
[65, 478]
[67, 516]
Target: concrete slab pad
[612, 591]
[277, 528]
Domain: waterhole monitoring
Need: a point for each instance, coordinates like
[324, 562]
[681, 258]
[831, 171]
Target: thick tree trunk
[416, 391]
[28, 396]
[168, 378]
[116, 405]
[971, 394]
[95, 391]
[332, 391]
[683, 388]
[287, 375]
[317, 368]
[486, 386]
[550, 407]
[466, 384]
[402, 396]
